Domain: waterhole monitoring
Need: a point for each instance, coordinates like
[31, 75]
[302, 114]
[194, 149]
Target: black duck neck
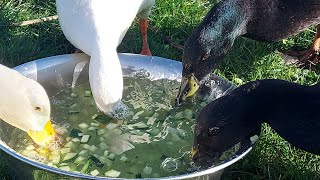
[291, 110]
[271, 100]
[224, 22]
[277, 19]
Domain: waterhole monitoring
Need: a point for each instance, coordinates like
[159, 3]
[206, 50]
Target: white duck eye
[37, 108]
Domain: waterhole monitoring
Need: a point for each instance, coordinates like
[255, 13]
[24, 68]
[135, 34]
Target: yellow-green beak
[43, 137]
[194, 152]
[189, 86]
[194, 86]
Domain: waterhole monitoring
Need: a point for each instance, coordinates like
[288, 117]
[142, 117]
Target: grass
[272, 157]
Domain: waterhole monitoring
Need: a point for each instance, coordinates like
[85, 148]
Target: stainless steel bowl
[58, 72]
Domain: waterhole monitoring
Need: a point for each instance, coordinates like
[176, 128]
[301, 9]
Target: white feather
[19, 96]
[97, 27]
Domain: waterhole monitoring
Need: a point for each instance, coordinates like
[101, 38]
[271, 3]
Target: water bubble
[120, 111]
[193, 167]
[56, 143]
[66, 125]
[35, 156]
[170, 164]
[141, 74]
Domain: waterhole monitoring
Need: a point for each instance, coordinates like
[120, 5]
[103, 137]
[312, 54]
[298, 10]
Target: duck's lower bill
[194, 152]
[43, 137]
[189, 86]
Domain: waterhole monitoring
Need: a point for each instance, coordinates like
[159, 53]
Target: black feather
[290, 109]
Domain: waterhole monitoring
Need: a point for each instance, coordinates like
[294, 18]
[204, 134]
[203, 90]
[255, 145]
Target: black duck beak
[194, 152]
[204, 159]
[188, 87]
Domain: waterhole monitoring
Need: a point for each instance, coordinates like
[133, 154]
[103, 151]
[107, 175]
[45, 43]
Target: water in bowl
[145, 137]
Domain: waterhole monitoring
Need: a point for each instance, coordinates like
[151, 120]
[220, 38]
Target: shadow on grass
[22, 44]
[274, 158]
[32, 43]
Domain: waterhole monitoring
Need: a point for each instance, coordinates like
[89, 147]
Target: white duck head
[25, 105]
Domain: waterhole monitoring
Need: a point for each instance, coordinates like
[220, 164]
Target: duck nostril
[195, 158]
[178, 102]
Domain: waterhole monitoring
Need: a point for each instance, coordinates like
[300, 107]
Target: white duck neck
[105, 75]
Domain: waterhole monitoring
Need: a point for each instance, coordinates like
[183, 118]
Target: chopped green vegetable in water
[149, 138]
[75, 133]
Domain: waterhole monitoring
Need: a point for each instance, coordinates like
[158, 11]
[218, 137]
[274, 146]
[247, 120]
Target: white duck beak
[43, 137]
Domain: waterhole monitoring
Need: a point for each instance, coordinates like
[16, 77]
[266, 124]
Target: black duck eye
[37, 108]
[206, 56]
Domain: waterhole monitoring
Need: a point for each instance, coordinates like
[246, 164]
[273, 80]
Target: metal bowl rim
[16, 155]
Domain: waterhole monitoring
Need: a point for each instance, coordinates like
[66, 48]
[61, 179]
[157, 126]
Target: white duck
[25, 105]
[97, 27]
